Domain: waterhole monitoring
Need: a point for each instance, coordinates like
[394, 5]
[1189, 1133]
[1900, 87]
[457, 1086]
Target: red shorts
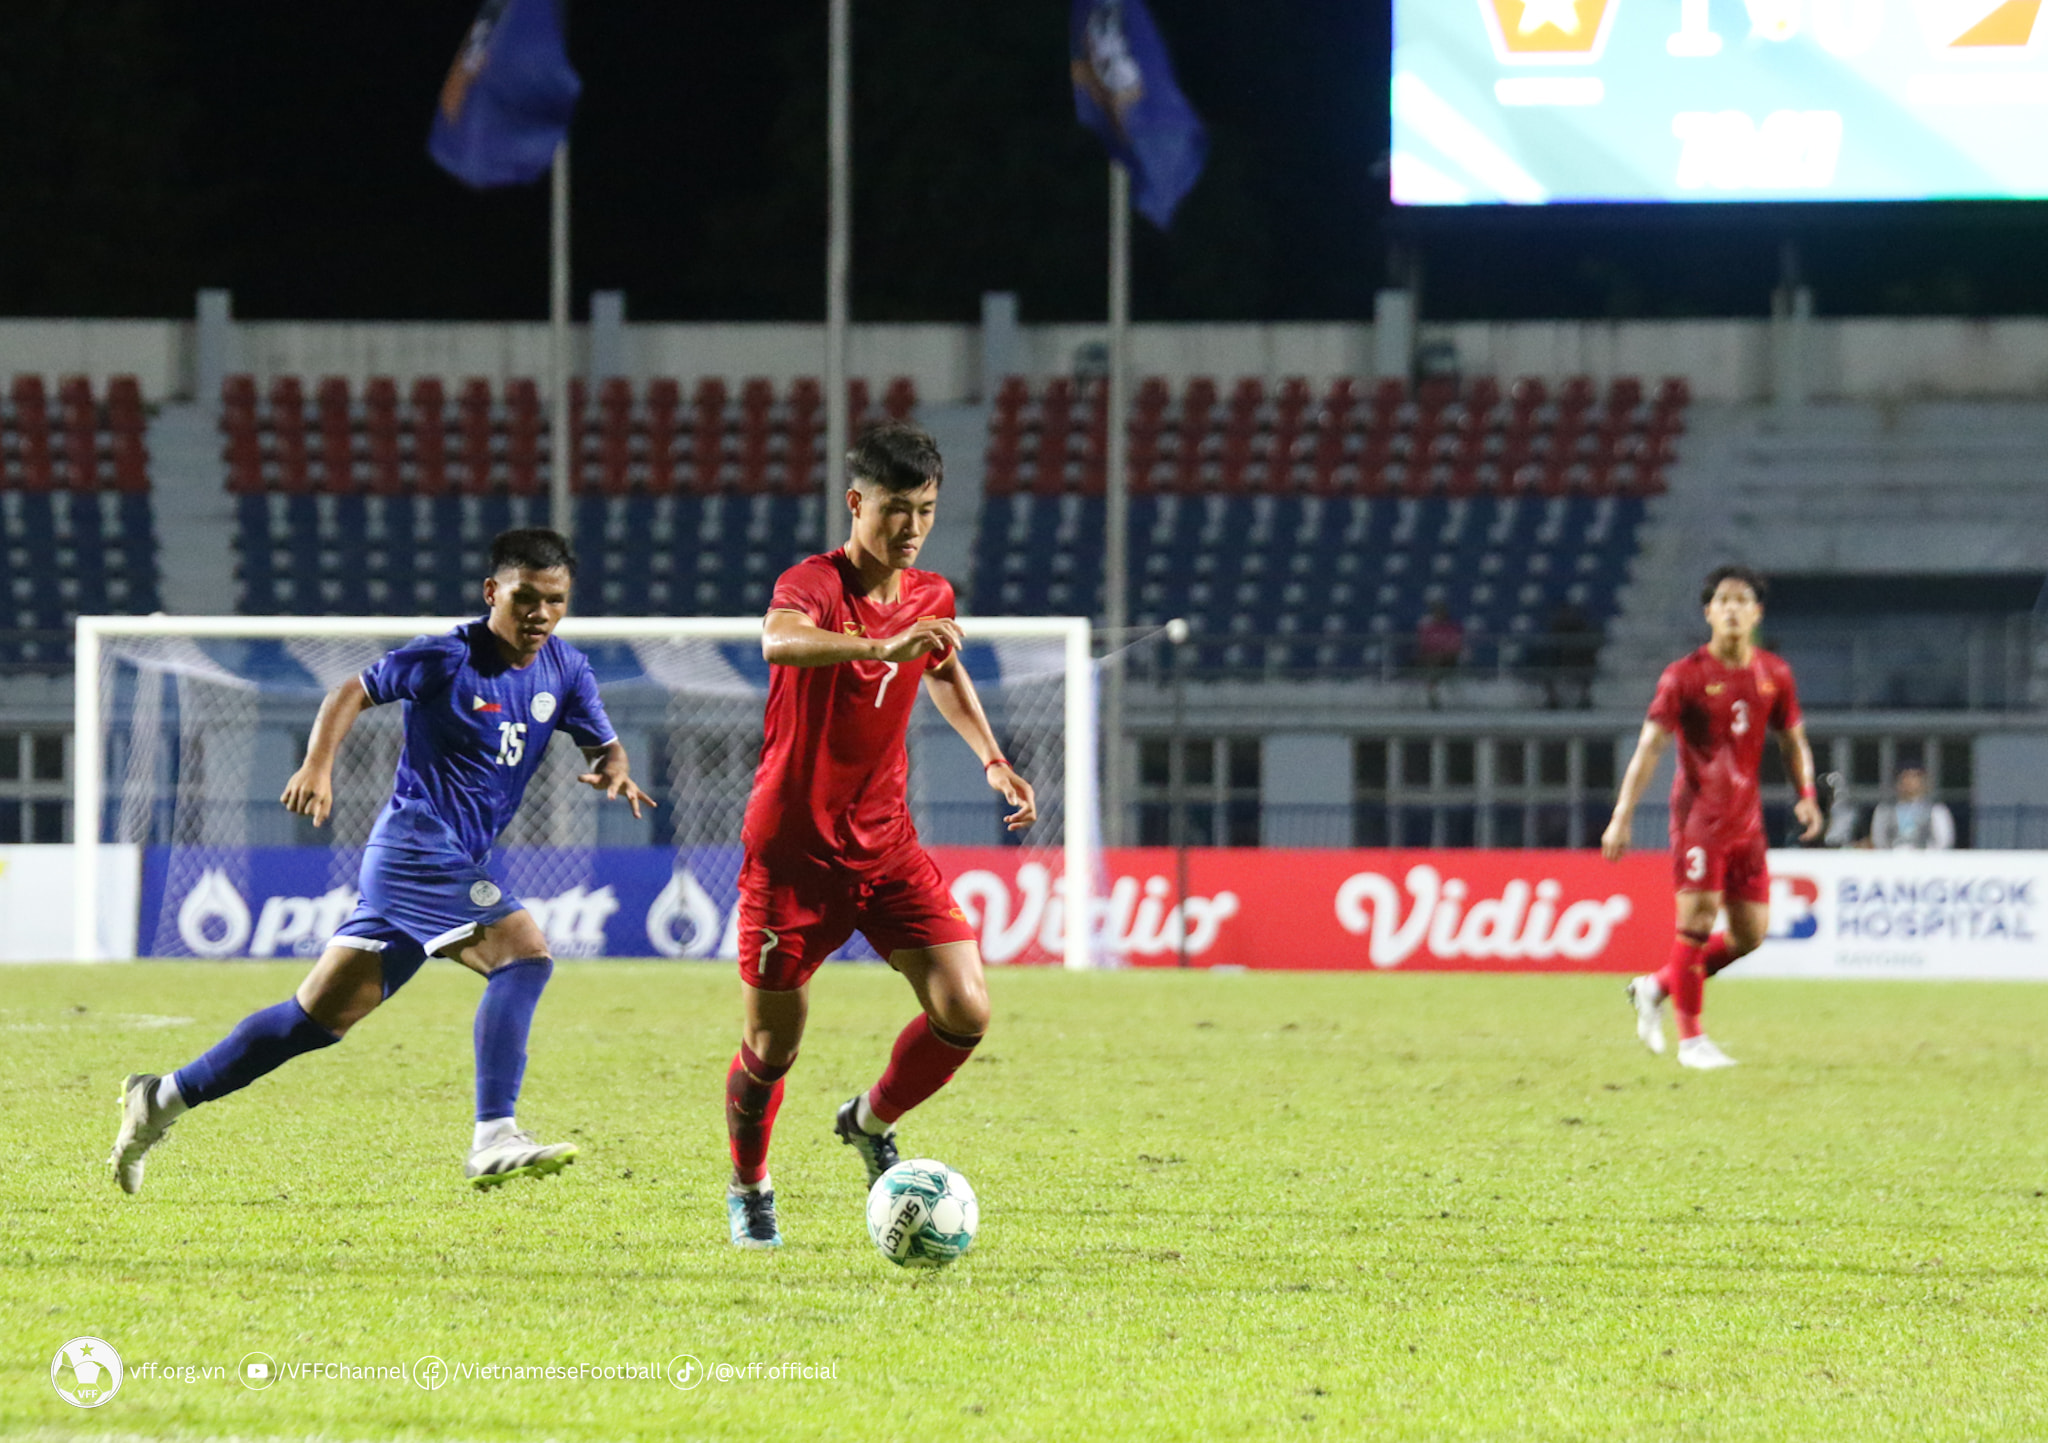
[1739, 871]
[792, 920]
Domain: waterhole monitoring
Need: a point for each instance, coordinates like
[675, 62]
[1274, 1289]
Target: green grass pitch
[1214, 1206]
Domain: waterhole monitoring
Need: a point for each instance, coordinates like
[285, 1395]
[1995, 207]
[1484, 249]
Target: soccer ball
[922, 1214]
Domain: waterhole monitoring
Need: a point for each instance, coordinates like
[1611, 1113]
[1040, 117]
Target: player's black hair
[1754, 580]
[896, 456]
[532, 548]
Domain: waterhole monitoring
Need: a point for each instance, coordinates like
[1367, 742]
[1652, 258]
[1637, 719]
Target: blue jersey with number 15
[475, 729]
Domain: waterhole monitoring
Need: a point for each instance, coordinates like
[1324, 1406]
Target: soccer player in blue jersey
[482, 702]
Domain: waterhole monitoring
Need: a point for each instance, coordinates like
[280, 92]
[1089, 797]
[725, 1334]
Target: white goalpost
[187, 728]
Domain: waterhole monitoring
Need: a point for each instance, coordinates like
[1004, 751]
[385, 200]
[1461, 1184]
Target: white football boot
[1700, 1052]
[1647, 997]
[143, 1125]
[516, 1154]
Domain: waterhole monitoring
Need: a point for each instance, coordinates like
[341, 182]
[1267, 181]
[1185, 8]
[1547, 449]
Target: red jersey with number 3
[1720, 715]
[832, 785]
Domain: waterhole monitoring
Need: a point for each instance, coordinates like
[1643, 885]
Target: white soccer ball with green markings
[922, 1214]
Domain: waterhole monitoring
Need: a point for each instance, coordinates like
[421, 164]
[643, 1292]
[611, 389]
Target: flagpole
[1116, 560]
[562, 456]
[838, 270]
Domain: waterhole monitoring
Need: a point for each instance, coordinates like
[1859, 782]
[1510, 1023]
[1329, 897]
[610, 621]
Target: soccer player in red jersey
[1719, 702]
[829, 845]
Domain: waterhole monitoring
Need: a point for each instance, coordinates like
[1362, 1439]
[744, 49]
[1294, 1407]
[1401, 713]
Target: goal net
[188, 728]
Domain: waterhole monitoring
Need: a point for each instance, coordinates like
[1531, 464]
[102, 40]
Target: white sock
[766, 1184]
[167, 1099]
[864, 1118]
[489, 1132]
[1653, 987]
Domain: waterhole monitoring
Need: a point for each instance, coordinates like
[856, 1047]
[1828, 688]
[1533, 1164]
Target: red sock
[753, 1095]
[1684, 980]
[919, 1065]
[1716, 956]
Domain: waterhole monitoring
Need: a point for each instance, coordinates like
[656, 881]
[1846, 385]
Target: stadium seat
[1268, 518]
[77, 527]
[404, 534]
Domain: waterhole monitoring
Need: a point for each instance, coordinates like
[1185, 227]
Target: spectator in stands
[1913, 821]
[1568, 658]
[1439, 645]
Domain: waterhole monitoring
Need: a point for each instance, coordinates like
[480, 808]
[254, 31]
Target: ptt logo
[1793, 914]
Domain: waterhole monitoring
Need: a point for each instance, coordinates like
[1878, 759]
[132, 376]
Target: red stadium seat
[294, 473]
[474, 400]
[81, 457]
[900, 399]
[337, 448]
[386, 473]
[1012, 396]
[332, 398]
[430, 437]
[380, 409]
[131, 464]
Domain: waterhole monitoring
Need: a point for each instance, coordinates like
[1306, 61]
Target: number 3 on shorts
[889, 670]
[1695, 863]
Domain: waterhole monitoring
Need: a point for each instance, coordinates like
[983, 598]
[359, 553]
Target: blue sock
[260, 1043]
[503, 1019]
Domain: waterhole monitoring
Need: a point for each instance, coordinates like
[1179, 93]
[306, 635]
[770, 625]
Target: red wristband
[1808, 793]
[998, 762]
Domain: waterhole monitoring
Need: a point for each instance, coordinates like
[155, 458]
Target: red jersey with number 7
[832, 785]
[1720, 715]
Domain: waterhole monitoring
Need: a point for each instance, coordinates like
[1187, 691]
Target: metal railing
[1543, 661]
[1965, 664]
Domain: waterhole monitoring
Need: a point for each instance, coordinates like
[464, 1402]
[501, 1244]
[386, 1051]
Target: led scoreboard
[1534, 102]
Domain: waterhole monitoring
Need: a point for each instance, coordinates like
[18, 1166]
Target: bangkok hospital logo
[1795, 902]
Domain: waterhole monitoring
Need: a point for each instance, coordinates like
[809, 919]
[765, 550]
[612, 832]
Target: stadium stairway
[1852, 488]
[961, 432]
[195, 517]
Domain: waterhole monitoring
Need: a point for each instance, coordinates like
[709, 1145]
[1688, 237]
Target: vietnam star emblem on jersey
[1549, 32]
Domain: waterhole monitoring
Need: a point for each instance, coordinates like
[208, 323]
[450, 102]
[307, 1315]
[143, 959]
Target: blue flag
[509, 97]
[1125, 92]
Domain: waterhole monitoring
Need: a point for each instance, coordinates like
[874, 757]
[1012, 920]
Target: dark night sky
[156, 147]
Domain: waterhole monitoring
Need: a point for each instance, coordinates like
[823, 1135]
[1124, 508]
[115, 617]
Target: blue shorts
[414, 904]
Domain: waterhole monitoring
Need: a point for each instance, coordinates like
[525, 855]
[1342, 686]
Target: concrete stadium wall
[1726, 360]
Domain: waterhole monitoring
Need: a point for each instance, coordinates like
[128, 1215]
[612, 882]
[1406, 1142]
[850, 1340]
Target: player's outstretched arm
[789, 638]
[1799, 762]
[952, 691]
[1649, 747]
[610, 775]
[310, 792]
